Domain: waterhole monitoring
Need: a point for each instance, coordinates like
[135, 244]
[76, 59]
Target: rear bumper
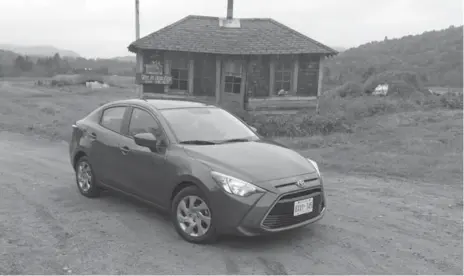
[268, 213]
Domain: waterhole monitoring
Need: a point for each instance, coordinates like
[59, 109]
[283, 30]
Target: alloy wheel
[193, 216]
[84, 176]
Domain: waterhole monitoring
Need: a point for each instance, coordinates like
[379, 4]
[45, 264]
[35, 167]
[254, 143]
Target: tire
[89, 189]
[199, 217]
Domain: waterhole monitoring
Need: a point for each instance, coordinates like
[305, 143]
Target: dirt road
[372, 226]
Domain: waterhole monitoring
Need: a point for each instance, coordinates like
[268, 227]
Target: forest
[436, 56]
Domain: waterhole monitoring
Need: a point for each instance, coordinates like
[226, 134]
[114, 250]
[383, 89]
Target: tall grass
[341, 114]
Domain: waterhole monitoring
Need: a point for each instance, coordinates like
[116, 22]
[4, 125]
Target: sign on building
[155, 79]
[155, 68]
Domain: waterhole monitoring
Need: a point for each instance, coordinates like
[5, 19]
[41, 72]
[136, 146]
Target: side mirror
[146, 140]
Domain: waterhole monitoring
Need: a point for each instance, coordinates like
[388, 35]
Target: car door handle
[124, 150]
[93, 136]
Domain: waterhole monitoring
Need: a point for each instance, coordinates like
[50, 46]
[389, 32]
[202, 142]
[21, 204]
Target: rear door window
[112, 118]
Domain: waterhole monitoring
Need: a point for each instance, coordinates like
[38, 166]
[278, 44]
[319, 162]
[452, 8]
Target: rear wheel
[192, 216]
[85, 178]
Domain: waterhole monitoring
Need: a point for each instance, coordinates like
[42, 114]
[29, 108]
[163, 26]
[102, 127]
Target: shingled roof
[202, 34]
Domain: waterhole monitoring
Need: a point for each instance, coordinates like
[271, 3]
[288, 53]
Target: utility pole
[137, 22]
[139, 60]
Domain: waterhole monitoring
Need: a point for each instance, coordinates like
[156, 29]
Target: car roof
[161, 104]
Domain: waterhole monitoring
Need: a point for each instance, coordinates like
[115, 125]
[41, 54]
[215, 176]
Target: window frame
[129, 118]
[281, 69]
[173, 65]
[236, 76]
[123, 121]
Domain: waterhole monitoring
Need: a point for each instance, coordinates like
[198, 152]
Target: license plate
[304, 206]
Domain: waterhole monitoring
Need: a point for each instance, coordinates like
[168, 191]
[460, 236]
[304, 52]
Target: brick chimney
[230, 9]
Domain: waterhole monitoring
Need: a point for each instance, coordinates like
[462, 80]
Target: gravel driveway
[372, 226]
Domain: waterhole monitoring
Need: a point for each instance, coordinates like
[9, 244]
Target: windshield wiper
[237, 140]
[197, 142]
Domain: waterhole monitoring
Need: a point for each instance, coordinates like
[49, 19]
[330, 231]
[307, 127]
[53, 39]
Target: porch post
[296, 69]
[319, 81]
[243, 82]
[139, 71]
[191, 68]
[271, 76]
[218, 79]
[166, 69]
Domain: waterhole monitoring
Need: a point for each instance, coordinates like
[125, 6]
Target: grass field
[419, 145]
[422, 144]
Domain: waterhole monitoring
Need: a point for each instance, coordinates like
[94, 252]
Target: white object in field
[282, 92]
[96, 85]
[381, 90]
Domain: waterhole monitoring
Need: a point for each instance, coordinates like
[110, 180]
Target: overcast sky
[104, 28]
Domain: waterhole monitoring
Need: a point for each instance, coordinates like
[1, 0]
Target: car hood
[255, 161]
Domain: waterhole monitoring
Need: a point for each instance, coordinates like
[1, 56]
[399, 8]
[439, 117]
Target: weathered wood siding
[258, 76]
[204, 80]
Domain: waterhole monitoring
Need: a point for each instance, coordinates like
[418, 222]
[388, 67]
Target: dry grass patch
[423, 145]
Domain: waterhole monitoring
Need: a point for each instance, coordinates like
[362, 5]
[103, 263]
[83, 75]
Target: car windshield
[205, 126]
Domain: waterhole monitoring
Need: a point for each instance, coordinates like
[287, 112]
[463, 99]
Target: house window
[283, 75]
[179, 73]
[233, 77]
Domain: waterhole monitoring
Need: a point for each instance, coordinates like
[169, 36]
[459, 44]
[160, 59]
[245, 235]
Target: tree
[436, 56]
[23, 64]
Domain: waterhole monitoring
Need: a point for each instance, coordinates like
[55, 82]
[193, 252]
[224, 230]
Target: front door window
[142, 122]
[233, 76]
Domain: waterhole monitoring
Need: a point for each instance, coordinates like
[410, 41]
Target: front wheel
[192, 217]
[85, 178]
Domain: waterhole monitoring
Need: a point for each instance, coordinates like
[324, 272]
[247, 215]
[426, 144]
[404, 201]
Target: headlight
[235, 186]
[314, 165]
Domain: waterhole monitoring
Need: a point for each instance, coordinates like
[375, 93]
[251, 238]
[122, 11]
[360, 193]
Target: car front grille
[281, 214]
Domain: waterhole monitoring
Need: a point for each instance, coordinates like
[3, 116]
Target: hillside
[437, 56]
[339, 49]
[39, 50]
[125, 58]
[7, 57]
[13, 64]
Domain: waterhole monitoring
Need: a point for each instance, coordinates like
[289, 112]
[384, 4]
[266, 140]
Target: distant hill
[339, 49]
[39, 50]
[119, 66]
[437, 56]
[125, 58]
[16, 64]
[7, 57]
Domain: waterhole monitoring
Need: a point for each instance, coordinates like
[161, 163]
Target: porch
[232, 81]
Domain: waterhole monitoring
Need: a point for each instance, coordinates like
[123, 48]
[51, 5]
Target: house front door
[233, 84]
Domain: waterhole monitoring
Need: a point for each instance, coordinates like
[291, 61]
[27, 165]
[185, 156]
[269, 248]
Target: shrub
[75, 79]
[400, 82]
[348, 89]
[452, 100]
[297, 125]
[343, 114]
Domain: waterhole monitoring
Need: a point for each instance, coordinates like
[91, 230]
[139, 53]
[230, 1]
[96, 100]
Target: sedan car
[211, 171]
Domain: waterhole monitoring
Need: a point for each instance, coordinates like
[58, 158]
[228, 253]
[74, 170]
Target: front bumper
[271, 212]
